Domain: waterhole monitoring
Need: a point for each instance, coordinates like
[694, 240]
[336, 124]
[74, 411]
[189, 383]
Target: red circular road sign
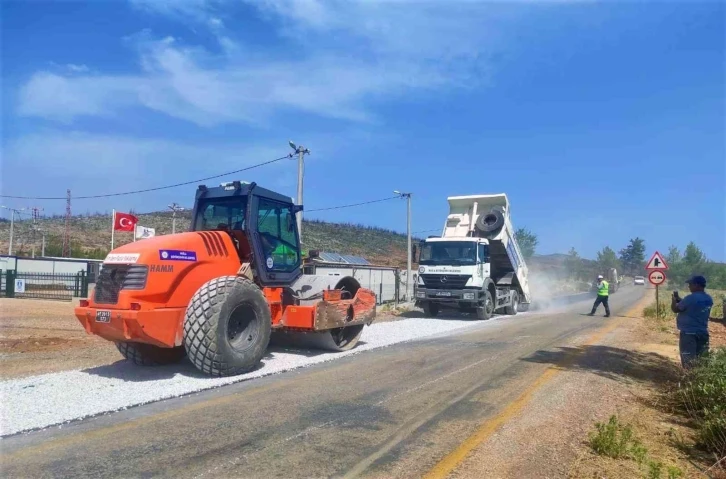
[656, 277]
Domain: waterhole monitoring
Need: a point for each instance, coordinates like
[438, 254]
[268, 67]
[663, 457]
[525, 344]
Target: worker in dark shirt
[693, 313]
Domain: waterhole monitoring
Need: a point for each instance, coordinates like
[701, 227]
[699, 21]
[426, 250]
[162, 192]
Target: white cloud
[77, 68]
[349, 54]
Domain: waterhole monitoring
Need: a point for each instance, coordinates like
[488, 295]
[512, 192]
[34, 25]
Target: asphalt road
[392, 412]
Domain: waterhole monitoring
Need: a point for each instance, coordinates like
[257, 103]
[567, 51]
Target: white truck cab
[475, 265]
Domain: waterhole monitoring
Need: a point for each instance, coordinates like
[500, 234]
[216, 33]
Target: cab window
[221, 214]
[278, 234]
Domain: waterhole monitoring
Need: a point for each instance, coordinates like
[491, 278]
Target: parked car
[639, 280]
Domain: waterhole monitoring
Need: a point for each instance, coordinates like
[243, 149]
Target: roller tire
[523, 307]
[142, 354]
[512, 309]
[486, 311]
[431, 309]
[490, 222]
[227, 326]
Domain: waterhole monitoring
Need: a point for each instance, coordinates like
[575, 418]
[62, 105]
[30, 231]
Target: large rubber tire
[491, 221]
[523, 307]
[513, 308]
[431, 309]
[227, 326]
[486, 310]
[149, 355]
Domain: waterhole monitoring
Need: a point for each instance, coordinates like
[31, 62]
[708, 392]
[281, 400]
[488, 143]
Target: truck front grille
[115, 277]
[445, 281]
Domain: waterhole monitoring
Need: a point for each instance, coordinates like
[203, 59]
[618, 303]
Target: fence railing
[54, 286]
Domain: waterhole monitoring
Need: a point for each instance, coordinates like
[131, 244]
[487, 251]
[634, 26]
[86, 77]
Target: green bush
[702, 394]
[616, 440]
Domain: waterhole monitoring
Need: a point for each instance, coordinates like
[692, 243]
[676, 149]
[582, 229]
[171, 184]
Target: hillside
[91, 236]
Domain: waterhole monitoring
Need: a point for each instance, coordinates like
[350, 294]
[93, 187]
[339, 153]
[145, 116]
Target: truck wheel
[513, 308]
[523, 307]
[486, 310]
[149, 355]
[431, 309]
[491, 221]
[227, 326]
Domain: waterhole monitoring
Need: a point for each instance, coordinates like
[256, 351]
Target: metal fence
[58, 286]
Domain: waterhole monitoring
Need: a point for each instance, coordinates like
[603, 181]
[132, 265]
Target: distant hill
[91, 236]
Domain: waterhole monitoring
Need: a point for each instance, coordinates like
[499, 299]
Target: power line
[108, 195]
[354, 204]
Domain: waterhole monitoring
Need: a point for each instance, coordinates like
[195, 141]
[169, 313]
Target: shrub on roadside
[617, 440]
[664, 312]
[702, 394]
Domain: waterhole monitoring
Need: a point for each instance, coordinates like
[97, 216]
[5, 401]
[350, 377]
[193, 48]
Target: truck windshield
[221, 214]
[448, 252]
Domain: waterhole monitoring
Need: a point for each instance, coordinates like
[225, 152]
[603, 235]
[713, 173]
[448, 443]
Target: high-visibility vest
[603, 289]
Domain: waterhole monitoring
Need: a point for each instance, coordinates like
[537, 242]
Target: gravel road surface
[388, 413]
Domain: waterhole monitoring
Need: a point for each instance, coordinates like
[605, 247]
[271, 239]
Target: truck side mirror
[413, 253]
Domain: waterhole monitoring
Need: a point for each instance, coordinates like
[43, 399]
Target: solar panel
[350, 259]
[330, 257]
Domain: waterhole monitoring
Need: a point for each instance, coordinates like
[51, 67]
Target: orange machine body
[149, 284]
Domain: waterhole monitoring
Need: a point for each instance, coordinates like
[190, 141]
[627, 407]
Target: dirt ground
[621, 374]
[39, 337]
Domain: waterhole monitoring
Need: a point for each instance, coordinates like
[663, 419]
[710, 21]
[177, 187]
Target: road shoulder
[622, 373]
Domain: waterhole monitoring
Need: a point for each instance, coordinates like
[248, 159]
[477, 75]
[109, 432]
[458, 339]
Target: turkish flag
[125, 222]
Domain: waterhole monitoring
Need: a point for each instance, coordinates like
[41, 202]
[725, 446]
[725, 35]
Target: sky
[602, 121]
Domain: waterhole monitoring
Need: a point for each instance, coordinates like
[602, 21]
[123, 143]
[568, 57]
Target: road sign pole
[657, 302]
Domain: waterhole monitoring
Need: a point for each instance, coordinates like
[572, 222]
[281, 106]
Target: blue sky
[602, 121]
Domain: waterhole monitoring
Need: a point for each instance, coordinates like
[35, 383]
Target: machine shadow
[127, 371]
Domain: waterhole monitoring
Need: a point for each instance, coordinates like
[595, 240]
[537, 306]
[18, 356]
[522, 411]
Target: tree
[693, 258]
[607, 259]
[527, 242]
[632, 257]
[673, 256]
[573, 264]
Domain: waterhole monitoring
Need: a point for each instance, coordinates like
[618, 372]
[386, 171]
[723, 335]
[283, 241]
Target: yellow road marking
[452, 460]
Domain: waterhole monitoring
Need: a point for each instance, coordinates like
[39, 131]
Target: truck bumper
[160, 327]
[450, 295]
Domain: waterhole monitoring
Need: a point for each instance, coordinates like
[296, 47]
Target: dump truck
[219, 292]
[475, 265]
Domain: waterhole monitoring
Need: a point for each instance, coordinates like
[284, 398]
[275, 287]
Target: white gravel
[52, 399]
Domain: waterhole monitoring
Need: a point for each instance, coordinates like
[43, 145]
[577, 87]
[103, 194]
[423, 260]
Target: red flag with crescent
[125, 222]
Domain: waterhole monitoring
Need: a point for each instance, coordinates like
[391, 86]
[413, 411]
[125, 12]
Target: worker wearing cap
[693, 313]
[602, 296]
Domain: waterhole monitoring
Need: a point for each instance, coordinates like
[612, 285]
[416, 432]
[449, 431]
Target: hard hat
[599, 276]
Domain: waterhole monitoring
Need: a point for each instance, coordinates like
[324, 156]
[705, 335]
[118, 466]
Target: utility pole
[174, 208]
[36, 216]
[301, 151]
[12, 225]
[408, 242]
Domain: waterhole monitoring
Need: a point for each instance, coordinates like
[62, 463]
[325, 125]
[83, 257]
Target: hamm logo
[162, 268]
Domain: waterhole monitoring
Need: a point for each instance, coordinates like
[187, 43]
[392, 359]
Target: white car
[639, 280]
